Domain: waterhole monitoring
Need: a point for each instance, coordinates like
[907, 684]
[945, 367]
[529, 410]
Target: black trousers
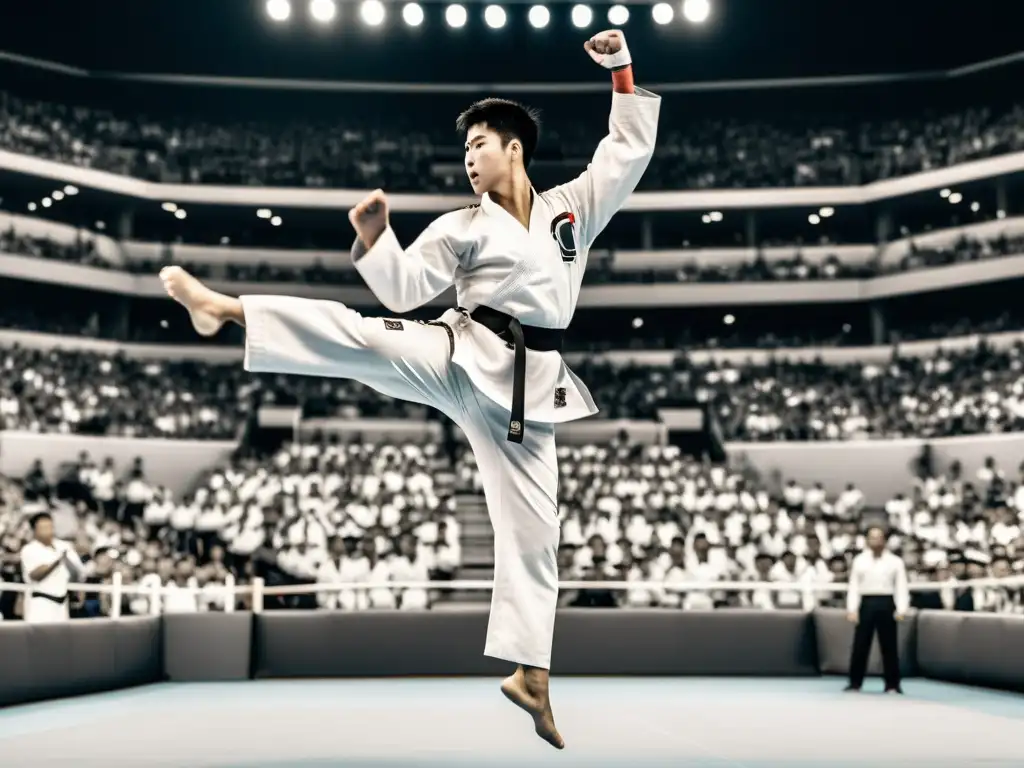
[877, 614]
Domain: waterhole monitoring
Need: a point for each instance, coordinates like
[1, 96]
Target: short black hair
[39, 517]
[509, 119]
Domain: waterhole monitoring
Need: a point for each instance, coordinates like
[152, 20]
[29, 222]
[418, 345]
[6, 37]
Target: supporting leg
[520, 483]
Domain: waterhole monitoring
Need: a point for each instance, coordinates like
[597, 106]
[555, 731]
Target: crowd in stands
[329, 513]
[600, 270]
[82, 252]
[797, 268]
[354, 150]
[652, 514]
[975, 391]
[321, 512]
[68, 391]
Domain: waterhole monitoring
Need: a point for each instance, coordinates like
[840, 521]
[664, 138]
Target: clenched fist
[370, 217]
[605, 45]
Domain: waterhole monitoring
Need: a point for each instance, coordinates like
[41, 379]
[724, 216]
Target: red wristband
[622, 79]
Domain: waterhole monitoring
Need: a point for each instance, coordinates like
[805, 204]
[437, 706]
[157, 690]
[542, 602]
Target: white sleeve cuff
[388, 241]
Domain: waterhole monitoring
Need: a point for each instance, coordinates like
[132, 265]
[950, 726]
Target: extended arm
[624, 154]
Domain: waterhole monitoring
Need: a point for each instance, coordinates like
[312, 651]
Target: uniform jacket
[534, 275]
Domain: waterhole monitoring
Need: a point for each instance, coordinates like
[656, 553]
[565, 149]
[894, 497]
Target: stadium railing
[259, 591]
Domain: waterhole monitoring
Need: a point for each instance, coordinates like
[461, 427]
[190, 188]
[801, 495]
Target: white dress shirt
[884, 575]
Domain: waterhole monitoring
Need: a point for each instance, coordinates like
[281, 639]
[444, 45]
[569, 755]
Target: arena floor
[445, 723]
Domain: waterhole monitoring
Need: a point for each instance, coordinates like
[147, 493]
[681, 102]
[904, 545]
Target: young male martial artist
[48, 565]
[494, 365]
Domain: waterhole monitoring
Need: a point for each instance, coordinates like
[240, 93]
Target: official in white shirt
[878, 597]
[47, 565]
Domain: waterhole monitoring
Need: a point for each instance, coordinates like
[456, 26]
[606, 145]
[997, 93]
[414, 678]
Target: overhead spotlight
[494, 15]
[715, 216]
[539, 16]
[276, 221]
[696, 11]
[47, 202]
[618, 15]
[955, 198]
[582, 15]
[58, 195]
[827, 211]
[706, 219]
[264, 213]
[412, 14]
[169, 207]
[455, 15]
[32, 206]
[944, 193]
[279, 10]
[372, 12]
[975, 206]
[101, 225]
[662, 13]
[225, 241]
[323, 11]
[814, 218]
[70, 189]
[638, 322]
[1000, 214]
[728, 319]
[180, 213]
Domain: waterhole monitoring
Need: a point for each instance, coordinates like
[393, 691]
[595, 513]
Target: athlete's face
[488, 163]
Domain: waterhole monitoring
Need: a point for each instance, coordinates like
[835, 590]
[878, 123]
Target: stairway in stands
[477, 547]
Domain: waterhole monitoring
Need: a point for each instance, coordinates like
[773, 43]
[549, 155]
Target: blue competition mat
[445, 723]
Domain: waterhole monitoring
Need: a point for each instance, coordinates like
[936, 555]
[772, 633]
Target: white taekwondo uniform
[464, 369]
[48, 600]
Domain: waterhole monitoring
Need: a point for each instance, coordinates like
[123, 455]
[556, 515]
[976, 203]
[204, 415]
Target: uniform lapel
[495, 211]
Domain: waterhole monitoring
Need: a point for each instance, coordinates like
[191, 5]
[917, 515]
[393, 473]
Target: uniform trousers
[45, 610]
[412, 361]
[877, 614]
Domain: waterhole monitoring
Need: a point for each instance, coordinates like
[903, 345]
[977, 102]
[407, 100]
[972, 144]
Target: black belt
[521, 338]
[52, 598]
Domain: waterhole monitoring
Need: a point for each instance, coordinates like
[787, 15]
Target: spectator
[47, 566]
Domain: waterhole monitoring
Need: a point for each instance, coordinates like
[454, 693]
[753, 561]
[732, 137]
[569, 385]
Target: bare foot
[200, 301]
[537, 705]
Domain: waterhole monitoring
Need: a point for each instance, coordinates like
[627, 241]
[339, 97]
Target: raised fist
[604, 45]
[370, 217]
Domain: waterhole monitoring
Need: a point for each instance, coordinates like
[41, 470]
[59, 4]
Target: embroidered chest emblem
[562, 231]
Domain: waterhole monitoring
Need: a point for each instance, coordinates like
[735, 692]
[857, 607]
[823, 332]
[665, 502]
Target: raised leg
[400, 358]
